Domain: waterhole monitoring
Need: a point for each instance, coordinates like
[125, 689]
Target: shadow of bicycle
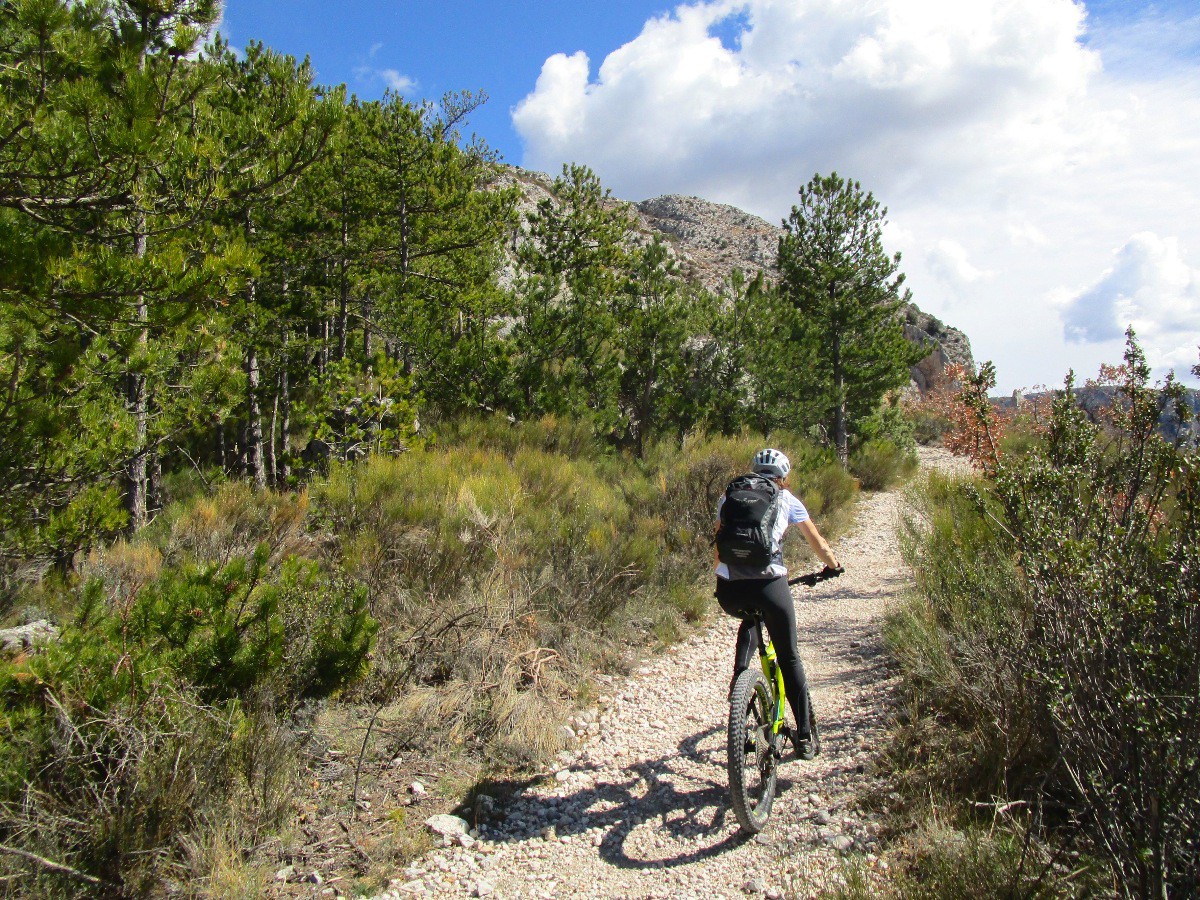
[662, 812]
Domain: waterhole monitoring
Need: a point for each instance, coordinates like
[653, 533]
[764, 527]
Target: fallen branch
[50, 864]
[1000, 808]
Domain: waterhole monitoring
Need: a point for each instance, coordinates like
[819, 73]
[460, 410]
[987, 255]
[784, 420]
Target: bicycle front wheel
[750, 757]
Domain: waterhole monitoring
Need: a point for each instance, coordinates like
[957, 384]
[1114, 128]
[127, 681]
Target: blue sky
[1040, 158]
[451, 45]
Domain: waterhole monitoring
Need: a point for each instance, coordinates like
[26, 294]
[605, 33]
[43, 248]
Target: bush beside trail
[1051, 654]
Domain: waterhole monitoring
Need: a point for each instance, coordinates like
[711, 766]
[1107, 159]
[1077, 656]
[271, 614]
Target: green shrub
[880, 463]
[963, 644]
[825, 489]
[890, 422]
[233, 520]
[1058, 629]
[928, 424]
[571, 437]
[1105, 519]
[940, 862]
[141, 723]
[225, 630]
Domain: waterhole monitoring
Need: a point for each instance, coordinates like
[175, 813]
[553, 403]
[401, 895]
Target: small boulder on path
[447, 826]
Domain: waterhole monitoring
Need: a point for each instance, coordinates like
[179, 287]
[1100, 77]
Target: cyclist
[742, 589]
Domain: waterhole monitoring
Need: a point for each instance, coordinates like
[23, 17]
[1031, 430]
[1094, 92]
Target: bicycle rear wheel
[750, 757]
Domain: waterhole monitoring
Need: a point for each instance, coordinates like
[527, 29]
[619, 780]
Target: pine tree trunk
[286, 424]
[840, 437]
[138, 403]
[154, 499]
[255, 457]
[254, 429]
[343, 288]
[272, 472]
[366, 320]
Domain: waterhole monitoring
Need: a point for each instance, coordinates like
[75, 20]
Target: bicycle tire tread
[752, 819]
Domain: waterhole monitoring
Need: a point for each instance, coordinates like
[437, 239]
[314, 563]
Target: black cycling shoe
[803, 747]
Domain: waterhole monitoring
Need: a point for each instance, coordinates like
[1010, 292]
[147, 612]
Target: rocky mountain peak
[712, 239]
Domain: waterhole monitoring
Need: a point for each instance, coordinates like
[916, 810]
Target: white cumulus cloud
[1150, 287]
[885, 88]
[1011, 160]
[948, 261]
[401, 84]
[391, 78]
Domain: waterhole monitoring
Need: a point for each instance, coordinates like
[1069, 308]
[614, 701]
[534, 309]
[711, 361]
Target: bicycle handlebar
[812, 578]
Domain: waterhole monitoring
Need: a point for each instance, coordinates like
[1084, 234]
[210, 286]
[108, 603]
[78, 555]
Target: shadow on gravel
[685, 807]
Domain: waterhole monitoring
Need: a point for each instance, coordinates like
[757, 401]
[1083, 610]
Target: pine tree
[652, 333]
[572, 267]
[433, 249]
[847, 291]
[105, 172]
[273, 127]
[744, 370]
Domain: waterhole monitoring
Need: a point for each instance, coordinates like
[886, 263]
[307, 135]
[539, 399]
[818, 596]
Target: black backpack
[748, 516]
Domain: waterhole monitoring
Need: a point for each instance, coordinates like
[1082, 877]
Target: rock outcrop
[711, 239]
[1096, 399]
[28, 636]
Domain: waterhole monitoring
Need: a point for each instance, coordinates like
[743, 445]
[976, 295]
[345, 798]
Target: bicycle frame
[773, 673]
[755, 736]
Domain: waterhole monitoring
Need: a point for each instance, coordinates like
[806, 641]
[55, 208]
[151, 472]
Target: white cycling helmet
[771, 462]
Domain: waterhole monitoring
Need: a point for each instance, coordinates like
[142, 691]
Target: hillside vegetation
[213, 261]
[490, 577]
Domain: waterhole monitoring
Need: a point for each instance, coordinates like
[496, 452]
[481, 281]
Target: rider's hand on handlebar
[832, 571]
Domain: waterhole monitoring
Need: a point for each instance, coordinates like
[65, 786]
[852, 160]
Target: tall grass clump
[939, 861]
[878, 464]
[1058, 631]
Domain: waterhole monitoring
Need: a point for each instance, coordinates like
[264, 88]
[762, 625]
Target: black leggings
[772, 598]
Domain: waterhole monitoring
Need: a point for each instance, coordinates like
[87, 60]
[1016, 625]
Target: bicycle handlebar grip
[831, 572]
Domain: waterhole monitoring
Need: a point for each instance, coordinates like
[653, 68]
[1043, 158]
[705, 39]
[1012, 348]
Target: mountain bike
[756, 714]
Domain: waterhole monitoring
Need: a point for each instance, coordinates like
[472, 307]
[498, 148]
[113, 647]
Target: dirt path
[639, 810]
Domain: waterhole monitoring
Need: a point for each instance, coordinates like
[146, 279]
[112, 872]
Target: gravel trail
[639, 809]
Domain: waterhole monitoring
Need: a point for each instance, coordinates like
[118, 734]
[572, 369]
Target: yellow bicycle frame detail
[772, 672]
